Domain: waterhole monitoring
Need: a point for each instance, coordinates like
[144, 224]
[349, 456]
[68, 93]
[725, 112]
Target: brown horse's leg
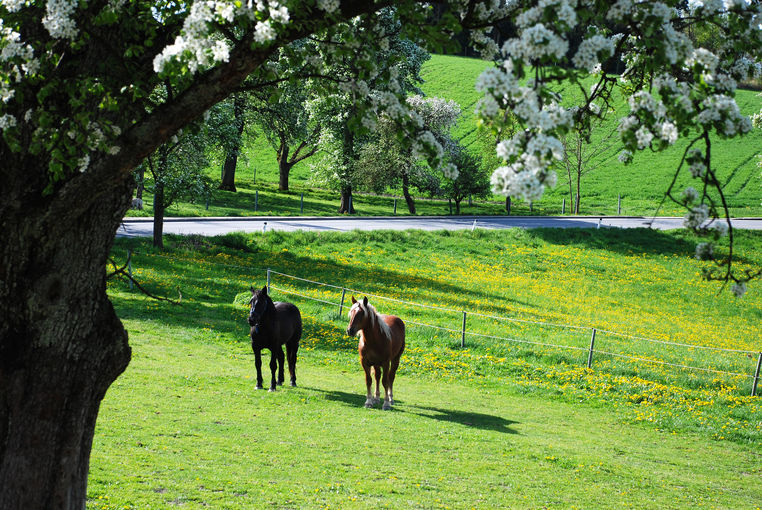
[368, 384]
[377, 371]
[387, 387]
[392, 373]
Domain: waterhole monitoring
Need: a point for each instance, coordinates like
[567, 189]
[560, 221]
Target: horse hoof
[271, 389]
[293, 383]
[387, 406]
[258, 387]
[369, 405]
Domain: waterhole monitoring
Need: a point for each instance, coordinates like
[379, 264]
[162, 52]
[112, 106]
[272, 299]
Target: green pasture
[499, 423]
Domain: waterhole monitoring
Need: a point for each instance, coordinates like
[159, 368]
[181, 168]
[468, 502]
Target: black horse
[272, 325]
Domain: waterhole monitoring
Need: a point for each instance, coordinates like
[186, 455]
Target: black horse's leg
[281, 362]
[273, 367]
[258, 364]
[291, 349]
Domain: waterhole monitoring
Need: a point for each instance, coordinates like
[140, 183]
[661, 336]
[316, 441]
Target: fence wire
[494, 317]
[523, 341]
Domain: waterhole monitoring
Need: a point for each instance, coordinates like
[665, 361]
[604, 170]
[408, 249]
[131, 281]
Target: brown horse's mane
[375, 318]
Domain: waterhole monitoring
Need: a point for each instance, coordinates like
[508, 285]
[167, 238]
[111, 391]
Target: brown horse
[382, 340]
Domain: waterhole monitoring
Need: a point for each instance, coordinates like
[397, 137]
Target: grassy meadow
[513, 419]
[641, 185]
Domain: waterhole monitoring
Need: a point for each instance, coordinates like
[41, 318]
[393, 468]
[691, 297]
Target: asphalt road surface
[141, 227]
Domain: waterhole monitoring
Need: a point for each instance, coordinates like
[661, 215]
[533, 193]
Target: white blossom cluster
[722, 113]
[329, 6]
[537, 42]
[58, 19]
[648, 121]
[696, 216]
[592, 51]
[200, 46]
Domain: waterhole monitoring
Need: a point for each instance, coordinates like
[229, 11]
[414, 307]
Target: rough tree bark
[61, 344]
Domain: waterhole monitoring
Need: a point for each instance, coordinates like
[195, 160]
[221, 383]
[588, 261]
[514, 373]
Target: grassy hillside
[641, 185]
[499, 423]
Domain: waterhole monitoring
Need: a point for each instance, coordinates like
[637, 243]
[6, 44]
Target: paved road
[136, 227]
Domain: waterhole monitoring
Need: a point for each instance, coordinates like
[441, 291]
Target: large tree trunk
[231, 157]
[61, 345]
[158, 215]
[406, 193]
[228, 171]
[346, 205]
[284, 167]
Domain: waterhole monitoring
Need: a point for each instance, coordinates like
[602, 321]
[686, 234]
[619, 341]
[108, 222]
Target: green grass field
[641, 185]
[499, 423]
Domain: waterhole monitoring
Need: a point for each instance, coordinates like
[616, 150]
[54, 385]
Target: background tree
[228, 122]
[386, 158]
[473, 177]
[346, 130]
[582, 155]
[283, 116]
[177, 168]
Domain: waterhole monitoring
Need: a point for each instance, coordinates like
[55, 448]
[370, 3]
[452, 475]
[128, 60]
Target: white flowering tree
[387, 158]
[75, 77]
[345, 128]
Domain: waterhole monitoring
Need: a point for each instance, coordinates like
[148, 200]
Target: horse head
[260, 303]
[358, 313]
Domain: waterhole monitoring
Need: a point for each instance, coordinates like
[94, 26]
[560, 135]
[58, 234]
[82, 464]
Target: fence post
[349, 210]
[256, 200]
[576, 204]
[395, 206]
[341, 306]
[563, 206]
[756, 376]
[129, 272]
[268, 281]
[463, 332]
[590, 354]
[619, 204]
[301, 205]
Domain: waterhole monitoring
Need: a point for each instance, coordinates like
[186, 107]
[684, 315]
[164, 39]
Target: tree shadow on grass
[468, 419]
[635, 241]
[632, 241]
